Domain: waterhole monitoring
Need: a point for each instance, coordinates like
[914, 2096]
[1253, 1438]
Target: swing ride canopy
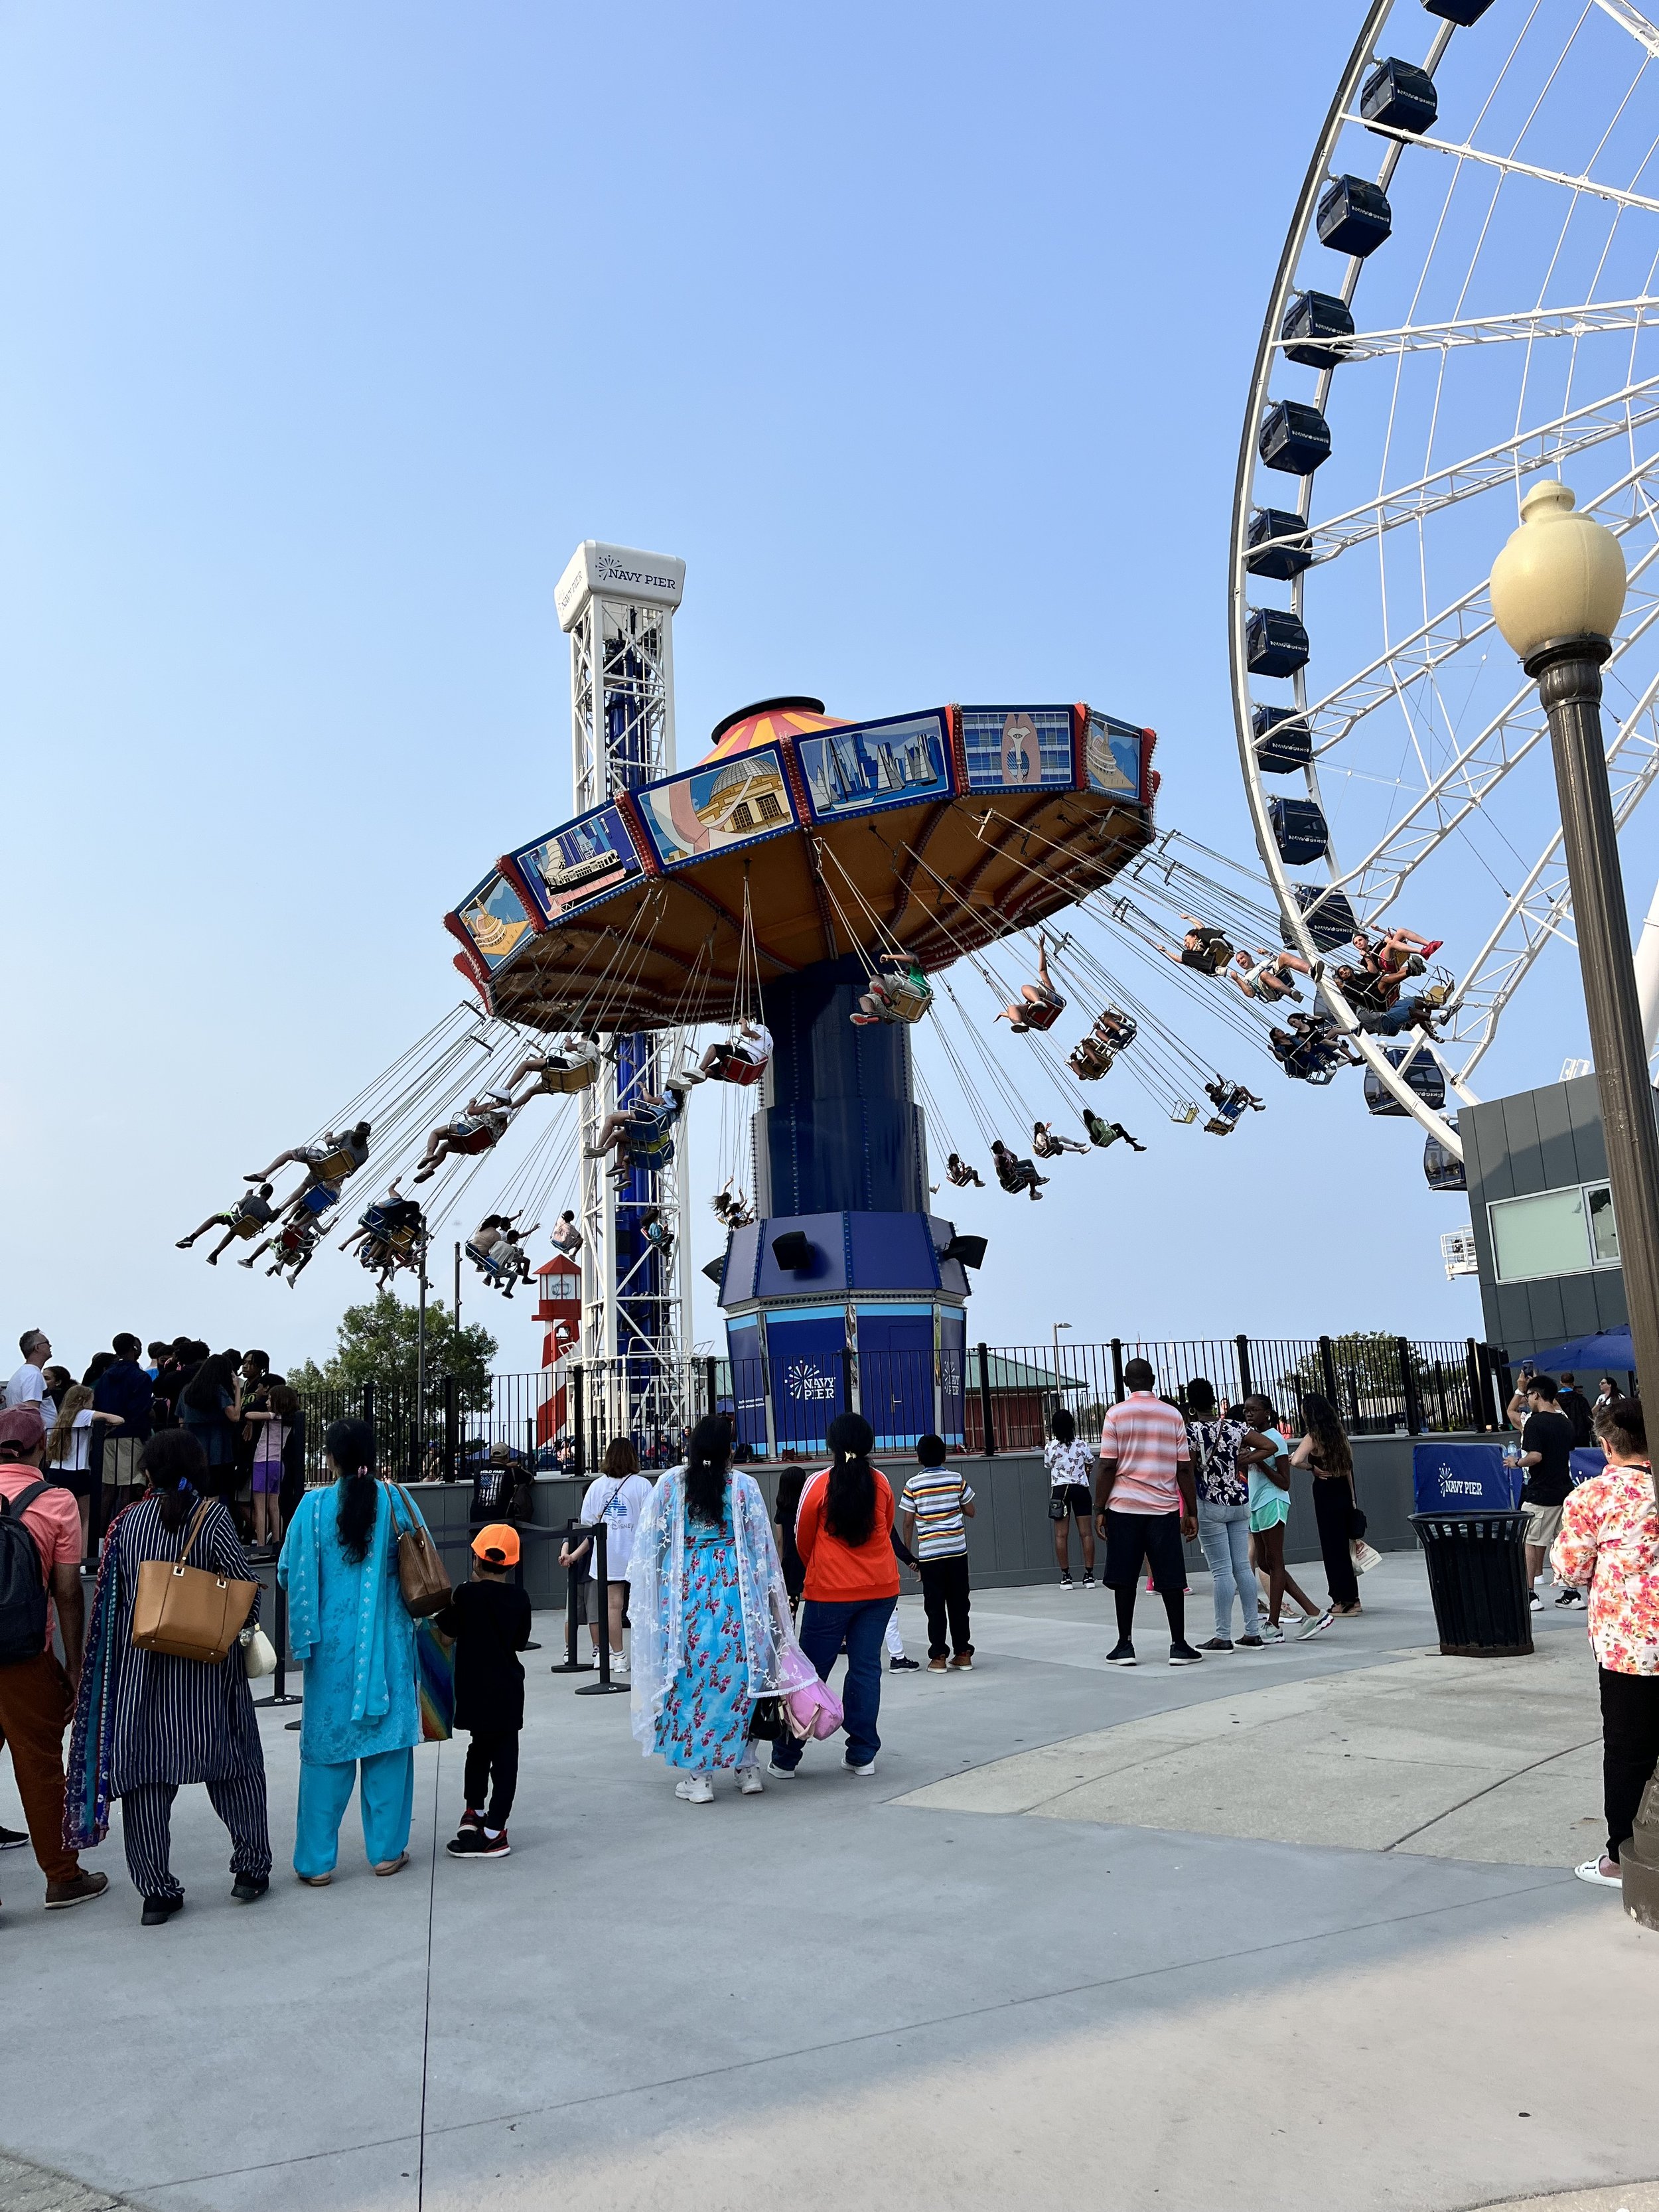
[922, 835]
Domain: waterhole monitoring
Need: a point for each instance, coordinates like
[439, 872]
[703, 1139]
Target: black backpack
[23, 1585]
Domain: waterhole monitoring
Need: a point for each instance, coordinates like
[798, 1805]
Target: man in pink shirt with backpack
[40, 1562]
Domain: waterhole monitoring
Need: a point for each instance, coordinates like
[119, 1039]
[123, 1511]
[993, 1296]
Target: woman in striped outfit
[147, 1723]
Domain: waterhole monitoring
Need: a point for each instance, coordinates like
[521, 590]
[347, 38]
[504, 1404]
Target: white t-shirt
[28, 1388]
[74, 1459]
[620, 1503]
[1068, 1463]
[756, 1049]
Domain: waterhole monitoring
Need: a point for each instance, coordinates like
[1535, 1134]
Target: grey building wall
[1538, 1141]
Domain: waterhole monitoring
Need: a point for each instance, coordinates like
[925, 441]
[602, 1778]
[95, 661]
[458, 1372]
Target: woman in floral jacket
[711, 1619]
[1609, 1540]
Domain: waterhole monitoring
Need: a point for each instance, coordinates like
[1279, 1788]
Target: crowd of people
[739, 1612]
[1201, 1468]
[248, 1422]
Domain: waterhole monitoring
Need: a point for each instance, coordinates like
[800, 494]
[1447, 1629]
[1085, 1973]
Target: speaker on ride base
[970, 1250]
[792, 1250]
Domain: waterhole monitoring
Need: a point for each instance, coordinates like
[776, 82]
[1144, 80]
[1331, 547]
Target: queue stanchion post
[570, 1664]
[518, 1579]
[604, 1687]
[280, 1692]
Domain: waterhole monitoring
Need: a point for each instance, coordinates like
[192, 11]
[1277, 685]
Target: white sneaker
[1316, 1626]
[1272, 1632]
[751, 1784]
[696, 1788]
[851, 1768]
[1534, 1603]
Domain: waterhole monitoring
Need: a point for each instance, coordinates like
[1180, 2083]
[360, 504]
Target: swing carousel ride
[815, 891]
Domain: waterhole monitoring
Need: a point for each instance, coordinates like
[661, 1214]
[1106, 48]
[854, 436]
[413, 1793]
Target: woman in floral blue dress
[711, 1617]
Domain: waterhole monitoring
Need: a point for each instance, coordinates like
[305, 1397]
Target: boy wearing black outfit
[489, 1621]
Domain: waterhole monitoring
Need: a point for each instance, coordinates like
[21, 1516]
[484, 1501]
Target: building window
[1604, 1234]
[1554, 1232]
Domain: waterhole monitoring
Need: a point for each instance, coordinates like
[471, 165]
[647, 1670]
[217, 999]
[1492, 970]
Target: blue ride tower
[839, 1294]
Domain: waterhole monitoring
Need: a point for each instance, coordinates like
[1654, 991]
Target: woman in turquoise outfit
[347, 1623]
[711, 1619]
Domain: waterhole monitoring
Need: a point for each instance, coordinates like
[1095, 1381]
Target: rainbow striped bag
[435, 1682]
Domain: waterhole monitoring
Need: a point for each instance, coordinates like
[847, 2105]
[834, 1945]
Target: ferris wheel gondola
[1468, 295]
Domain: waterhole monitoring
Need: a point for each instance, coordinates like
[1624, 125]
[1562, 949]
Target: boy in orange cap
[490, 1620]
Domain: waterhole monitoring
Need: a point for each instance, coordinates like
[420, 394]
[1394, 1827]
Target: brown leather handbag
[420, 1575]
[188, 1612]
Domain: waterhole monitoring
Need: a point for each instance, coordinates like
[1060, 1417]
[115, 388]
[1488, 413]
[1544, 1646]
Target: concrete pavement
[877, 1990]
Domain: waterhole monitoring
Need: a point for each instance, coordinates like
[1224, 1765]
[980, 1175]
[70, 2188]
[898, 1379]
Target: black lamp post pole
[1569, 676]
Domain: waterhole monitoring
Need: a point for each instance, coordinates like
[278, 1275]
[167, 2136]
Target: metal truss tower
[618, 607]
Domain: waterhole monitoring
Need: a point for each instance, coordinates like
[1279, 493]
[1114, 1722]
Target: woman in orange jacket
[843, 1532]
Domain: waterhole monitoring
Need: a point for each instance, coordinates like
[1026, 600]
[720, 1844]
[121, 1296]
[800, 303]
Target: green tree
[1368, 1381]
[378, 1344]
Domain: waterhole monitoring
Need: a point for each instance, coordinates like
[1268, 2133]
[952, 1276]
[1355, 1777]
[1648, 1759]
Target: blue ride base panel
[839, 1297]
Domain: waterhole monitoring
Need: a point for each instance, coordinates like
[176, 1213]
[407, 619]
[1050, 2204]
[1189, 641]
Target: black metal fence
[979, 1398]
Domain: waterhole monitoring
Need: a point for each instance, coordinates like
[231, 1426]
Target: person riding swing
[1014, 1174]
[741, 1058]
[1039, 1006]
[575, 1065]
[481, 1128]
[244, 1219]
[897, 994]
[331, 1160]
[1047, 1146]
[1232, 1101]
[1107, 1133]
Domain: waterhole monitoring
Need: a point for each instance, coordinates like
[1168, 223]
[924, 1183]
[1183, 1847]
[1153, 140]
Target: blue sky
[923, 335]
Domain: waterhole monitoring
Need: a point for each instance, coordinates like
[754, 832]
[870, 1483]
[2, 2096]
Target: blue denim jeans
[863, 1625]
[1223, 1531]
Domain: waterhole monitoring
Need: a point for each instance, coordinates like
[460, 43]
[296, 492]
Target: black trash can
[1478, 1581]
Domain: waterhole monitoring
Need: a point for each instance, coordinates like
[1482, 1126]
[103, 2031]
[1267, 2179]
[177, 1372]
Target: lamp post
[1558, 590]
[1055, 1332]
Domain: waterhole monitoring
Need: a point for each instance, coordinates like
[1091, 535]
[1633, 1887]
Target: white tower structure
[616, 605]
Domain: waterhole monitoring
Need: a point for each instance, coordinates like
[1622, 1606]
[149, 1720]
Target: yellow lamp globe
[1561, 575]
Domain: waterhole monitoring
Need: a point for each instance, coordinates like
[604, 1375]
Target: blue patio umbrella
[1609, 1353]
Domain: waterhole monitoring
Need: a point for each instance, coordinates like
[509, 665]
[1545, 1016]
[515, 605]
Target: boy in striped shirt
[933, 1511]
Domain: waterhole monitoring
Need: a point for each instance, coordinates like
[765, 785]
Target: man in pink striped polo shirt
[1144, 1504]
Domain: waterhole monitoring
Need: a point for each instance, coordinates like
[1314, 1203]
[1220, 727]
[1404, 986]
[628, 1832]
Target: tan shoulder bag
[188, 1612]
[420, 1575]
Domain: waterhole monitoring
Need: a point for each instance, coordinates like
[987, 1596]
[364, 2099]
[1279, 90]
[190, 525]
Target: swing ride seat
[318, 1198]
[907, 1000]
[743, 1072]
[1042, 1013]
[1184, 1110]
[336, 1167]
[1218, 1128]
[1088, 1061]
[581, 1075]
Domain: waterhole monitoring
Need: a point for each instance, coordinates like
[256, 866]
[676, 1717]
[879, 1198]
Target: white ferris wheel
[1468, 295]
